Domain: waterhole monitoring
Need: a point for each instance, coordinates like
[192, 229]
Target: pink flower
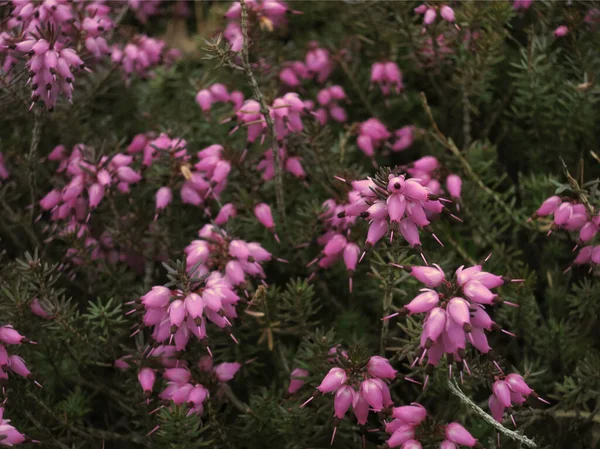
[381, 367]
[429, 16]
[502, 392]
[447, 13]
[36, 309]
[164, 196]
[296, 384]
[147, 378]
[17, 366]
[430, 276]
[225, 213]
[424, 302]
[226, 371]
[333, 380]
[454, 186]
[344, 397]
[10, 336]
[412, 414]
[561, 31]
[371, 392]
[459, 435]
[263, 214]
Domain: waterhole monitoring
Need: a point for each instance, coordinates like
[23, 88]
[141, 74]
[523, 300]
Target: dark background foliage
[515, 104]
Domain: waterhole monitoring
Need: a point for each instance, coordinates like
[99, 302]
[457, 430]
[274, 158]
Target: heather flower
[393, 203]
[329, 99]
[561, 31]
[296, 381]
[236, 258]
[372, 134]
[459, 435]
[509, 391]
[447, 13]
[362, 387]
[404, 138]
[318, 63]
[9, 435]
[37, 309]
[226, 371]
[455, 312]
[147, 377]
[292, 165]
[176, 316]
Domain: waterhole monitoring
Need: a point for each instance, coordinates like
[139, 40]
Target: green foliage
[515, 101]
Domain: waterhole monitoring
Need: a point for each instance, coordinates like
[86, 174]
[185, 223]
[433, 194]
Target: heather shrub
[305, 224]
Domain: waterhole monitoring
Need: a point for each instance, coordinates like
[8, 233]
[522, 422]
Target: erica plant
[284, 224]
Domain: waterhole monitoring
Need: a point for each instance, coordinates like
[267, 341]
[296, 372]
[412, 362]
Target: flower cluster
[362, 389]
[454, 311]
[508, 391]
[218, 93]
[269, 13]
[390, 202]
[335, 241]
[144, 9]
[215, 250]
[176, 315]
[182, 385]
[14, 363]
[9, 435]
[431, 55]
[430, 173]
[317, 64]
[329, 99]
[387, 76]
[291, 164]
[50, 57]
[87, 182]
[373, 134]
[54, 37]
[430, 13]
[286, 113]
[142, 55]
[406, 421]
[522, 4]
[573, 216]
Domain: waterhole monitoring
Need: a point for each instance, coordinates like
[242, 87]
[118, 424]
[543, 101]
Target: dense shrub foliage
[266, 224]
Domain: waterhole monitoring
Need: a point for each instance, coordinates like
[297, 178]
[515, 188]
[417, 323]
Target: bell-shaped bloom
[501, 390]
[343, 400]
[381, 367]
[296, 384]
[333, 380]
[423, 302]
[263, 214]
[164, 196]
[147, 377]
[459, 435]
[226, 371]
[412, 414]
[430, 276]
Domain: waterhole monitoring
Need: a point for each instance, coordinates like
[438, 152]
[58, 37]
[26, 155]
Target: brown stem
[264, 110]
